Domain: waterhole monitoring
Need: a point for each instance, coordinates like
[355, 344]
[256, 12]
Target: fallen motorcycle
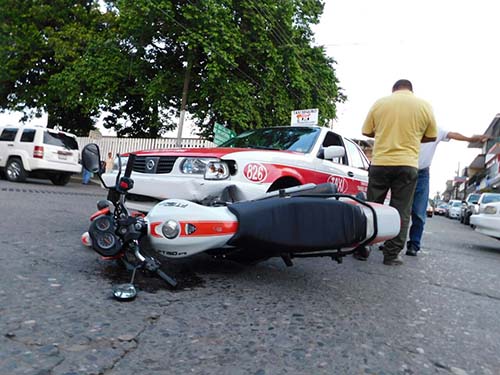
[305, 221]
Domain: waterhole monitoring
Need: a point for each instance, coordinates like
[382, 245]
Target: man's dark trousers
[401, 181]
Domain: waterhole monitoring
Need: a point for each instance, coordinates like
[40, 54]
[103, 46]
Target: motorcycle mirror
[125, 292]
[91, 158]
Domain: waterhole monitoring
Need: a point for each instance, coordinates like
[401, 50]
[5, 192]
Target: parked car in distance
[247, 166]
[35, 151]
[429, 210]
[468, 207]
[441, 209]
[488, 221]
[454, 209]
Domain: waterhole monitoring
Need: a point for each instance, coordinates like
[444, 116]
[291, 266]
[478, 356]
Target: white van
[35, 151]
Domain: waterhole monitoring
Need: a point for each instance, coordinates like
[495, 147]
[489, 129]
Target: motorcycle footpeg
[168, 279]
[153, 265]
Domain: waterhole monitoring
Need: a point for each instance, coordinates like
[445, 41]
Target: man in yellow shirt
[399, 123]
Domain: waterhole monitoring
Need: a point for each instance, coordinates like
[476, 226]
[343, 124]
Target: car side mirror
[91, 158]
[332, 152]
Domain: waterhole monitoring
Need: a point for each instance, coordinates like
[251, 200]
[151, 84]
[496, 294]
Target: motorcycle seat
[298, 224]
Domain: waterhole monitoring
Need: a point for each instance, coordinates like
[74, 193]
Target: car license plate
[62, 157]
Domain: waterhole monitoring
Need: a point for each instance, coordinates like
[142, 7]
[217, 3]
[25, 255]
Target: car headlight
[170, 229]
[490, 210]
[124, 160]
[216, 170]
[194, 165]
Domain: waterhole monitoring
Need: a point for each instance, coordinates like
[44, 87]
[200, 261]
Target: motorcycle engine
[104, 240]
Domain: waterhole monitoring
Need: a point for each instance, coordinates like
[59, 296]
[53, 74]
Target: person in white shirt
[421, 195]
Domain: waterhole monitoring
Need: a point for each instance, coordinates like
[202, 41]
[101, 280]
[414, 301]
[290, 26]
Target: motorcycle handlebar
[130, 164]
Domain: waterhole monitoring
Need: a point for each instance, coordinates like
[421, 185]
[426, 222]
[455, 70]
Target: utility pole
[187, 76]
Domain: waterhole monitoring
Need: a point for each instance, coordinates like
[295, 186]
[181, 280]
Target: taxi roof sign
[303, 117]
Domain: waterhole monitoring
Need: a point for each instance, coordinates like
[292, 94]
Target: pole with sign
[305, 117]
[222, 134]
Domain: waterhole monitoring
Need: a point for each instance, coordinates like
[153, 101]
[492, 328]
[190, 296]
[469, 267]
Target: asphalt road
[439, 313]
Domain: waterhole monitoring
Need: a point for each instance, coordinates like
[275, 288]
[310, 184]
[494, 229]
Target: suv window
[8, 134]
[491, 198]
[60, 139]
[28, 135]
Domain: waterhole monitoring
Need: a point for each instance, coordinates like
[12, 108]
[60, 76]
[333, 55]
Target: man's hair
[402, 84]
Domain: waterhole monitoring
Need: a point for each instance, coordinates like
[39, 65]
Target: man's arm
[371, 135]
[460, 137]
[368, 129]
[428, 139]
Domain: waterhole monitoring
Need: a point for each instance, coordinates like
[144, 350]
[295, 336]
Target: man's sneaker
[411, 252]
[393, 261]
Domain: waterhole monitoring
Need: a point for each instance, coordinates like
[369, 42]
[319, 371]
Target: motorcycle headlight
[124, 160]
[170, 229]
[490, 210]
[194, 165]
[216, 170]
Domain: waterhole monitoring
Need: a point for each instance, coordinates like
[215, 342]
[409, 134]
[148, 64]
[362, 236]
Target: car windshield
[491, 198]
[473, 198]
[456, 204]
[299, 139]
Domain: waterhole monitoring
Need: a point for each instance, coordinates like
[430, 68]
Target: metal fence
[120, 145]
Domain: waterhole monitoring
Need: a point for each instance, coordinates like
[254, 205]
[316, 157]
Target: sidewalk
[77, 178]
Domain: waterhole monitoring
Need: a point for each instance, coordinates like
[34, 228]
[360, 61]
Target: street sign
[222, 134]
[305, 117]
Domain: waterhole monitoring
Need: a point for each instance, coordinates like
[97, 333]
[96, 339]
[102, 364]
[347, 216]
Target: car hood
[216, 152]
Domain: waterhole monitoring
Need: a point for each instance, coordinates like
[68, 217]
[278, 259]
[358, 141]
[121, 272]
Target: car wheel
[15, 171]
[60, 179]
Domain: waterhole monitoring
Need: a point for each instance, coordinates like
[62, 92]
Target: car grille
[154, 164]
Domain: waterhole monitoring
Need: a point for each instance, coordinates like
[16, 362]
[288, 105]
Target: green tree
[255, 63]
[244, 63]
[39, 43]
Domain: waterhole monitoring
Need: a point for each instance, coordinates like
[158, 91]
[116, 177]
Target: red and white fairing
[214, 226]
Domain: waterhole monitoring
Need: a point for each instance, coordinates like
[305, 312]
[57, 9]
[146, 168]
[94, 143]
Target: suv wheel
[14, 170]
[60, 179]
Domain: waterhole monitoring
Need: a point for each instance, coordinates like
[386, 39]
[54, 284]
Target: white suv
[27, 151]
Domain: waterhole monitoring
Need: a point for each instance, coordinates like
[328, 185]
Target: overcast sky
[450, 50]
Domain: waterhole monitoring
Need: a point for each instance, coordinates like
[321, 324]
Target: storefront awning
[478, 162]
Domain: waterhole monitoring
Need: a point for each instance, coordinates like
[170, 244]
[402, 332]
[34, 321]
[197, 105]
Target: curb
[77, 178]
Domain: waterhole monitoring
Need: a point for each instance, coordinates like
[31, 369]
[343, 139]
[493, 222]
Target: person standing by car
[399, 123]
[109, 163]
[421, 196]
[86, 176]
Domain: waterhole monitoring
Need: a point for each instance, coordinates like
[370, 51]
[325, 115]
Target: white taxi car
[247, 166]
